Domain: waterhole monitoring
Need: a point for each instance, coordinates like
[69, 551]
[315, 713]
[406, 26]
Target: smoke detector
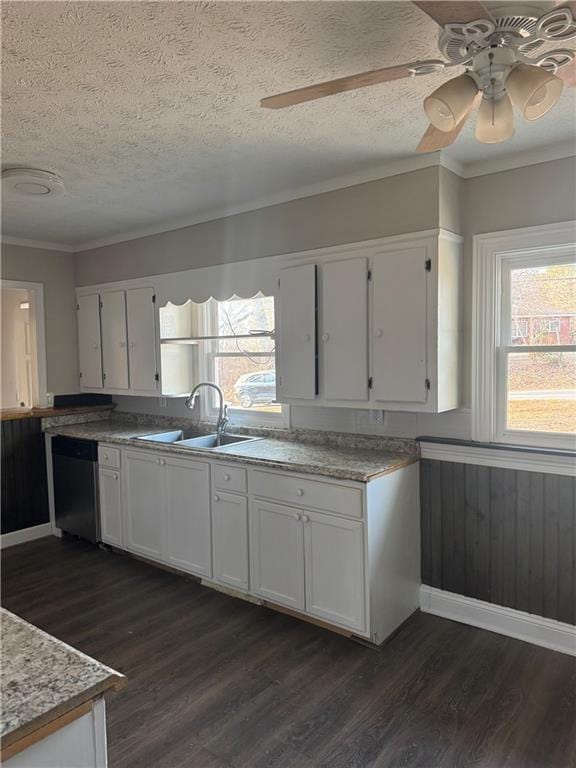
[32, 182]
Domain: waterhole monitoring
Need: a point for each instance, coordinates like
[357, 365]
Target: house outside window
[524, 375]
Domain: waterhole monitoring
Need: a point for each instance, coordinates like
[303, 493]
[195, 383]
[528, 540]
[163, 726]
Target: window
[525, 351]
[242, 360]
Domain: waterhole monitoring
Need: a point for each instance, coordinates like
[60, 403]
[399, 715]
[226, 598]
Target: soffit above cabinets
[150, 111]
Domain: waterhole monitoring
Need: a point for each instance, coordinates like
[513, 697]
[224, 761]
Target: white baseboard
[496, 618]
[26, 534]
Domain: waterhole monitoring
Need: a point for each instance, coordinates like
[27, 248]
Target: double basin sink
[187, 438]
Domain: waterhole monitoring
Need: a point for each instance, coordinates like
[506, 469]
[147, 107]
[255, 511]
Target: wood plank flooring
[215, 682]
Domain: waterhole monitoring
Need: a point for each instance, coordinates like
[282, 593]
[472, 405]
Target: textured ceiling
[150, 111]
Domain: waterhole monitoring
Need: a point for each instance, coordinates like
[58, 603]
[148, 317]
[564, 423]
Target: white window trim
[237, 416]
[491, 252]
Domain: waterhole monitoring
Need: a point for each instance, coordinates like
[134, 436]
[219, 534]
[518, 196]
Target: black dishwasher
[75, 470]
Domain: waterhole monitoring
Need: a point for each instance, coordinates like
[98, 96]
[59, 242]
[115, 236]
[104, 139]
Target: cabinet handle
[122, 344]
[115, 477]
[300, 492]
[96, 346]
[163, 462]
[305, 519]
[297, 517]
[216, 497]
[105, 456]
[379, 333]
[325, 336]
[227, 477]
[307, 337]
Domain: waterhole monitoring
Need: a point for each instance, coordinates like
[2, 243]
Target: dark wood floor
[215, 682]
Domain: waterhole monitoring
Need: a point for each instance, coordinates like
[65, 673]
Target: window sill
[527, 458]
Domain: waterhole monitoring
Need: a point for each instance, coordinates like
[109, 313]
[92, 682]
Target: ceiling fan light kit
[499, 50]
[449, 103]
[495, 121]
[533, 90]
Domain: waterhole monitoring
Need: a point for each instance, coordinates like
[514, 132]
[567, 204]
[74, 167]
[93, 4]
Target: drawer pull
[297, 517]
[227, 477]
[106, 456]
[305, 519]
[216, 497]
[115, 477]
[299, 492]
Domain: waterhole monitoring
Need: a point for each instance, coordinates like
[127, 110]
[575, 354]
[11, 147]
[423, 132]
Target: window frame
[207, 355]
[495, 255]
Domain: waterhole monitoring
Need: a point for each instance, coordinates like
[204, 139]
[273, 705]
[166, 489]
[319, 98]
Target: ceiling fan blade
[446, 12]
[434, 139]
[568, 73]
[319, 90]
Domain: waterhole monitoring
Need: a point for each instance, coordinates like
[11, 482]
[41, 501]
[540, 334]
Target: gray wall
[404, 203]
[56, 271]
[523, 197]
[425, 199]
[500, 535]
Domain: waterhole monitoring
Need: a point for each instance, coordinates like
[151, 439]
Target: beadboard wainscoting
[500, 535]
[24, 481]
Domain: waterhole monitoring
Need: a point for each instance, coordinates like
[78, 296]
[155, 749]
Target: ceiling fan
[499, 48]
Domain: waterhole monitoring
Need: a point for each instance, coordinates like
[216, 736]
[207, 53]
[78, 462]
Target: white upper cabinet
[117, 341]
[399, 364]
[388, 324]
[114, 339]
[297, 336]
[141, 339]
[89, 341]
[343, 345]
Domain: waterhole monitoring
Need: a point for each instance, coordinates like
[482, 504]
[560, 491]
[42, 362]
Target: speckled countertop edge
[335, 461]
[43, 678]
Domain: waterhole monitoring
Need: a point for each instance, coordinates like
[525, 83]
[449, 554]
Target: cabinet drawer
[316, 494]
[108, 457]
[227, 478]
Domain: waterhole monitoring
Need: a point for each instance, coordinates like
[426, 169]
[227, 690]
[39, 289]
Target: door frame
[38, 322]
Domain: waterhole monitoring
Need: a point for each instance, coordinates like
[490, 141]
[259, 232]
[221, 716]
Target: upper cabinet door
[90, 351]
[399, 306]
[141, 339]
[344, 344]
[114, 340]
[297, 339]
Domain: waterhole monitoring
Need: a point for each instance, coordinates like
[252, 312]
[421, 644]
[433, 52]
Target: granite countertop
[42, 678]
[10, 414]
[340, 461]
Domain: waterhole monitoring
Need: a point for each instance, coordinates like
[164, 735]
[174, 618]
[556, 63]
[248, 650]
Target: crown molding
[393, 168]
[38, 244]
[559, 151]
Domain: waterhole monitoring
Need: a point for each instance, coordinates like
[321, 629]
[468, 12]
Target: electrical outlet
[162, 402]
[377, 417]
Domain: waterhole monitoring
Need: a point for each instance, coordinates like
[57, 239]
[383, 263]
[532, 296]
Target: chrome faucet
[222, 422]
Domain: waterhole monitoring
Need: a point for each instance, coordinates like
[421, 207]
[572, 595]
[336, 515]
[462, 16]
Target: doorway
[23, 361]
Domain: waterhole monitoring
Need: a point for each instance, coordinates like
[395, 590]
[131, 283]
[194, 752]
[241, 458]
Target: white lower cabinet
[277, 554]
[230, 540]
[166, 509]
[110, 506]
[143, 503]
[334, 569]
[186, 513]
[309, 562]
[353, 561]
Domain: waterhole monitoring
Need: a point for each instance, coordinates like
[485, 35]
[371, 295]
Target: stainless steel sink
[214, 441]
[174, 436]
[190, 438]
